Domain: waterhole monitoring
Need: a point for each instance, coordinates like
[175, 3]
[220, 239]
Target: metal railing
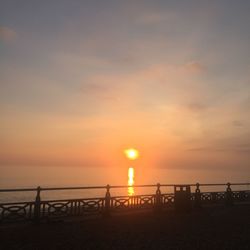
[181, 197]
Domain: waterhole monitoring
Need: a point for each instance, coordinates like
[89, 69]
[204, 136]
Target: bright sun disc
[131, 153]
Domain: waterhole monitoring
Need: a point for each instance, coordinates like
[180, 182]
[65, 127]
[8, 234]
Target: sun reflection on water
[131, 174]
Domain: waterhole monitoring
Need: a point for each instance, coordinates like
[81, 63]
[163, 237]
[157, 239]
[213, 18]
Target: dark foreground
[213, 228]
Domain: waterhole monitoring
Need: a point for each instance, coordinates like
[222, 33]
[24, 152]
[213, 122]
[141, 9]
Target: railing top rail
[72, 188]
[224, 184]
[119, 186]
[126, 186]
[50, 188]
[18, 189]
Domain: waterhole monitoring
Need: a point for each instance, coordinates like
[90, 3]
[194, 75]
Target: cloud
[99, 91]
[153, 18]
[94, 88]
[237, 123]
[200, 149]
[197, 106]
[149, 87]
[236, 144]
[195, 67]
[7, 34]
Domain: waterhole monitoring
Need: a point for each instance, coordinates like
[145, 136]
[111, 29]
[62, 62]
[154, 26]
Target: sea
[14, 177]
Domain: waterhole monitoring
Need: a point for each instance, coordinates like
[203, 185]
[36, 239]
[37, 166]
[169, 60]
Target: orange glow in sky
[90, 95]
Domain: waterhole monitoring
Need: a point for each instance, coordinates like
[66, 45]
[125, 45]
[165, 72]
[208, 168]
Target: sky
[80, 81]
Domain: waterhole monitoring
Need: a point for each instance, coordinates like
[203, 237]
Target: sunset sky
[80, 81]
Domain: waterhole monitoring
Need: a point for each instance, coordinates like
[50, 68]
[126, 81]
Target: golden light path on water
[131, 174]
[132, 154]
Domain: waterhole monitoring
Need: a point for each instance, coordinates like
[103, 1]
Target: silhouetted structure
[182, 199]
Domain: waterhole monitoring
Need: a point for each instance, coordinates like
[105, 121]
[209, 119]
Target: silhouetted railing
[182, 198]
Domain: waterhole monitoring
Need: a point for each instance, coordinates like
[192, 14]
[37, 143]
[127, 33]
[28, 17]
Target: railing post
[229, 195]
[214, 197]
[37, 207]
[197, 197]
[107, 201]
[242, 196]
[158, 197]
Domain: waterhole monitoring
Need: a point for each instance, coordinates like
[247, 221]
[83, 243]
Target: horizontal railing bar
[127, 186]
[76, 199]
[134, 196]
[224, 184]
[72, 188]
[239, 184]
[18, 203]
[98, 187]
[118, 186]
[205, 184]
[222, 192]
[173, 185]
[210, 184]
[18, 190]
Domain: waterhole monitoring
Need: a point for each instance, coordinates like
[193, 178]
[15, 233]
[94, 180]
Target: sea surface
[44, 176]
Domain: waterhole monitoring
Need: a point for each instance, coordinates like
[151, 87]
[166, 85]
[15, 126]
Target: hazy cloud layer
[80, 81]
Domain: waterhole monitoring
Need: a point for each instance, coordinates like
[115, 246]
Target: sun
[131, 153]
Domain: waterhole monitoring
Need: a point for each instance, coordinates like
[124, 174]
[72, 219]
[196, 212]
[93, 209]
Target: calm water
[20, 177]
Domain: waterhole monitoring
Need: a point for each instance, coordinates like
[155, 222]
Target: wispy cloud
[156, 82]
[233, 144]
[195, 67]
[149, 18]
[7, 34]
[237, 123]
[197, 106]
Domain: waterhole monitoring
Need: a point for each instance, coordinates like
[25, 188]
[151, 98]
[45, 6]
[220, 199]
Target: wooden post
[107, 201]
[37, 207]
